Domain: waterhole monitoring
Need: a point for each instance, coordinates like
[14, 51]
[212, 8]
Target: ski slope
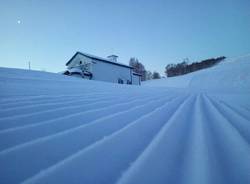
[191, 129]
[230, 74]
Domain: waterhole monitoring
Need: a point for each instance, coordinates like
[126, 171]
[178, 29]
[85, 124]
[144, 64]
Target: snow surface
[191, 129]
[229, 74]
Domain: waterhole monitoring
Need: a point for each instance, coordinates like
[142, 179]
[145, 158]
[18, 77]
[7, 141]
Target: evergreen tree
[156, 75]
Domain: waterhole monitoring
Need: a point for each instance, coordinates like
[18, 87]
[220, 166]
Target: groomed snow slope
[58, 129]
[232, 73]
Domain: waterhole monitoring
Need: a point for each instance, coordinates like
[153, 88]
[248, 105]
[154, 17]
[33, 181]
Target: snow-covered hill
[192, 129]
[231, 74]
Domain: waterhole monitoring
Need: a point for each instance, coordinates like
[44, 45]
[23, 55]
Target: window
[120, 81]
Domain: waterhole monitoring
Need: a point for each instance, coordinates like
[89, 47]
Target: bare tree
[138, 67]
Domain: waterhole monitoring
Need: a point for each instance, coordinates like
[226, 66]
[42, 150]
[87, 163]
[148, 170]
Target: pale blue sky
[157, 32]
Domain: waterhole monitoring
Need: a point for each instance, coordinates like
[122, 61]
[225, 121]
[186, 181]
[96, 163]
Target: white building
[97, 68]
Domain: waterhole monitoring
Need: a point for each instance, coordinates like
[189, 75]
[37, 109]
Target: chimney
[113, 58]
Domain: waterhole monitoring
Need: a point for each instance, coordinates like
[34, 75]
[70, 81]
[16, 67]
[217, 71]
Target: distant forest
[172, 70]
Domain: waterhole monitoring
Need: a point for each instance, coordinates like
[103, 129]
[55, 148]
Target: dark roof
[113, 55]
[97, 58]
[136, 74]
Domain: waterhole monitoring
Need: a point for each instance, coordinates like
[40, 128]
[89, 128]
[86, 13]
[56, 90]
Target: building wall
[110, 73]
[76, 61]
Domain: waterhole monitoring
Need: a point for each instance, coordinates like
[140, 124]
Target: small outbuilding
[136, 78]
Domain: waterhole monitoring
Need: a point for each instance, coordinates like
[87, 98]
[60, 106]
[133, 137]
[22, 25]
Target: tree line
[172, 70]
[184, 68]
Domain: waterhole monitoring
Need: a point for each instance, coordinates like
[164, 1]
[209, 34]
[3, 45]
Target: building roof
[136, 74]
[97, 58]
[113, 55]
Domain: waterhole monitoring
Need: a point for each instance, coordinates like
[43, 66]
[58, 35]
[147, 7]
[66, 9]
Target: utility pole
[29, 65]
